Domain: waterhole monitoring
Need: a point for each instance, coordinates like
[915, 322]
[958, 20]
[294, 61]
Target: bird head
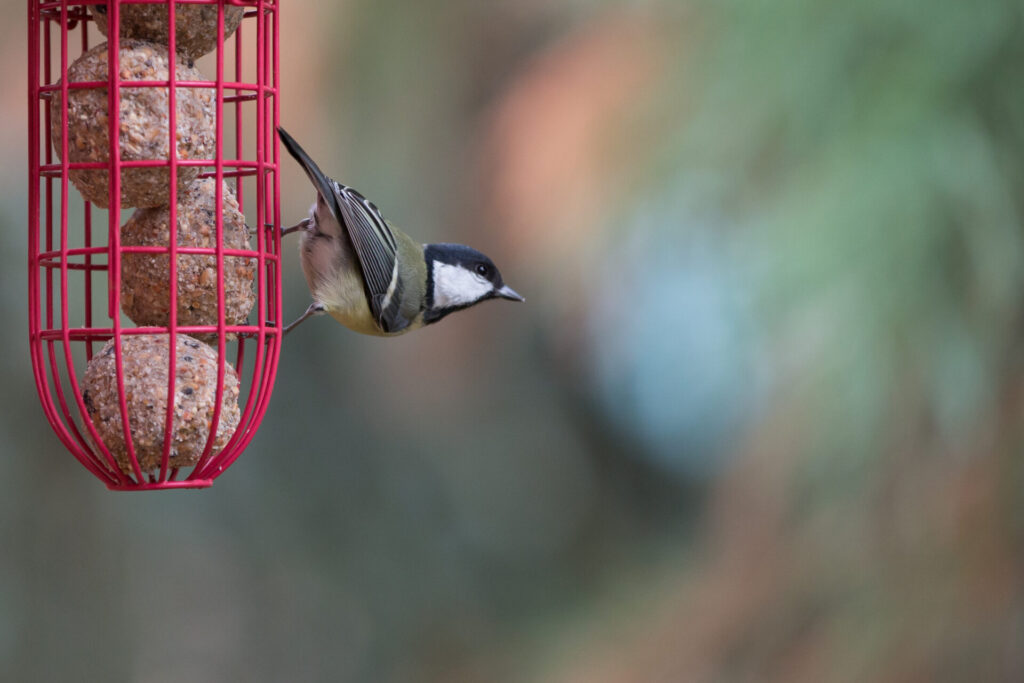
[459, 277]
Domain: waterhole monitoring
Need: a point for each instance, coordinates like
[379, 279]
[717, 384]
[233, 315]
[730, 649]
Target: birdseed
[145, 278]
[144, 124]
[195, 25]
[145, 360]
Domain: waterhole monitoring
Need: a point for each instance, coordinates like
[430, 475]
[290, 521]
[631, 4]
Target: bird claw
[252, 335]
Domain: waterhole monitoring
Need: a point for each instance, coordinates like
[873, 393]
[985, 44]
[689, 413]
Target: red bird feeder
[155, 340]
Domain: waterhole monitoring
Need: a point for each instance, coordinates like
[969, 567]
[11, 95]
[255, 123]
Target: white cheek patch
[455, 286]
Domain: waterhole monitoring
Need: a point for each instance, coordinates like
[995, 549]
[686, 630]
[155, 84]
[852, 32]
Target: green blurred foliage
[869, 154]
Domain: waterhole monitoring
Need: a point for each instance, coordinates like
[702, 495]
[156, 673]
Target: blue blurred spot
[672, 345]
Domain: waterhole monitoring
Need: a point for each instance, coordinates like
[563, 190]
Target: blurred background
[760, 418]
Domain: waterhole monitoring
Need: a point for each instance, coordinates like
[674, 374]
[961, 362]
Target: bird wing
[377, 249]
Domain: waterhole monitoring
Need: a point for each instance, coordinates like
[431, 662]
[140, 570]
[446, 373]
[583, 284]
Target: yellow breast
[344, 299]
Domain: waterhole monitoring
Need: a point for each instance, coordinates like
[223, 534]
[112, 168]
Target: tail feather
[322, 183]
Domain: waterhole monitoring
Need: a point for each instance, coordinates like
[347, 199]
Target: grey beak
[507, 292]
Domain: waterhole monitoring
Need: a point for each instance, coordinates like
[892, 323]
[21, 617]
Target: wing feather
[377, 249]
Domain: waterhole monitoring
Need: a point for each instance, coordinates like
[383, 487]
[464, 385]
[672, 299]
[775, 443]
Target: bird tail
[322, 183]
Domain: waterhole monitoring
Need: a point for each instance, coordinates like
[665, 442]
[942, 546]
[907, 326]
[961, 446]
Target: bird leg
[315, 308]
[301, 225]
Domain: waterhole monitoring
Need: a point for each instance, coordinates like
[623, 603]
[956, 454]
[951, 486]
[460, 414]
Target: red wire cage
[75, 265]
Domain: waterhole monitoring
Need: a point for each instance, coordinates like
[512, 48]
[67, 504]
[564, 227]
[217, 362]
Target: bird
[373, 278]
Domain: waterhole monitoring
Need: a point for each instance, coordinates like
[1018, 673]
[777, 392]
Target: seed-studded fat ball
[145, 278]
[195, 25]
[144, 124]
[144, 359]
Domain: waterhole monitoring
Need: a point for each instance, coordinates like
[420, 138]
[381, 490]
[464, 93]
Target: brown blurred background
[759, 419]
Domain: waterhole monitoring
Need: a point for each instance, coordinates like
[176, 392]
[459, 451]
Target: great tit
[372, 277]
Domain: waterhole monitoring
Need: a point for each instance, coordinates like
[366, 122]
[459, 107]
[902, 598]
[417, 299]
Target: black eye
[483, 270]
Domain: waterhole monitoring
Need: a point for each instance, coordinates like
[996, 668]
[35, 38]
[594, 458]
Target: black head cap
[465, 257]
